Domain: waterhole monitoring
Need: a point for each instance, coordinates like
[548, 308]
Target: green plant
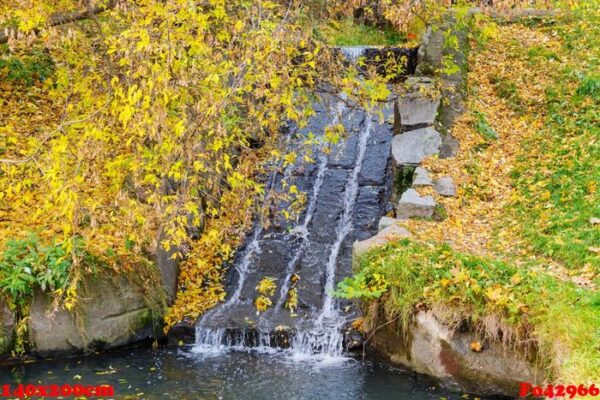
[27, 263]
[348, 33]
[525, 302]
[590, 86]
[363, 285]
[483, 127]
[35, 67]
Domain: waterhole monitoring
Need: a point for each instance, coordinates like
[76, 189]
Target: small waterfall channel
[347, 192]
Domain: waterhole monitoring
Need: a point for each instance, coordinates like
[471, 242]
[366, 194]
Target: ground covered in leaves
[521, 241]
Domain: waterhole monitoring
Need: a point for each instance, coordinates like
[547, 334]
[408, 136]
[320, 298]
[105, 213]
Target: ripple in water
[250, 375]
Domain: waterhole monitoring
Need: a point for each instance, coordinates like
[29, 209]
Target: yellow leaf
[475, 346]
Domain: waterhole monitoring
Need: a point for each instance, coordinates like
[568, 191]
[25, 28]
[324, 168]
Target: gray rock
[412, 147]
[412, 205]
[419, 105]
[7, 327]
[445, 186]
[384, 222]
[450, 144]
[110, 313]
[436, 351]
[382, 238]
[168, 266]
[421, 178]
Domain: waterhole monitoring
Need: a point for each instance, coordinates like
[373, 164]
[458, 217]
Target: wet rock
[375, 167]
[353, 340]
[111, 313]
[421, 178]
[329, 206]
[369, 207]
[445, 186]
[384, 222]
[390, 233]
[312, 275]
[182, 332]
[419, 105]
[412, 205]
[412, 147]
[436, 351]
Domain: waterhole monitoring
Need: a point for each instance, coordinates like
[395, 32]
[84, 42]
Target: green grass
[483, 127]
[565, 318]
[347, 33]
[560, 187]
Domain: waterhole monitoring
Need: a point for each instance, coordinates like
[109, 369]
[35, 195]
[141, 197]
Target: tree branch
[67, 18]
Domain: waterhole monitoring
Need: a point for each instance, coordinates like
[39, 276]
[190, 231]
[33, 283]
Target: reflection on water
[172, 373]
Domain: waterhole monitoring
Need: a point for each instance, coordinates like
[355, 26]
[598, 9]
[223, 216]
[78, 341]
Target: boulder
[410, 148]
[445, 186]
[412, 205]
[419, 105]
[387, 235]
[111, 312]
[430, 348]
[421, 178]
[384, 222]
[7, 327]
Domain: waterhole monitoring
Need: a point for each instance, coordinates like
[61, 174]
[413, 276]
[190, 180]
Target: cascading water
[344, 204]
[325, 337]
[302, 229]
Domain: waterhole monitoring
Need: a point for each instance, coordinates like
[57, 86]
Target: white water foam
[302, 230]
[353, 53]
[322, 341]
[325, 337]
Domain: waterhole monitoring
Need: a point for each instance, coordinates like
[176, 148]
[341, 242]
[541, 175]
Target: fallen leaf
[475, 346]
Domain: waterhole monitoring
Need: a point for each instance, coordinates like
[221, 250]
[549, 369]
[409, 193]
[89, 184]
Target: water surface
[179, 373]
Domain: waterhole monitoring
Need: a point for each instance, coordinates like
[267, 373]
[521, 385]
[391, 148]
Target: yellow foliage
[266, 286]
[262, 303]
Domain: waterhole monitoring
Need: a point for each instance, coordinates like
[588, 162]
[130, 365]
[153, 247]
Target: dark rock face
[184, 331]
[169, 268]
[306, 252]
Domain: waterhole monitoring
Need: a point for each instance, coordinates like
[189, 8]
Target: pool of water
[180, 373]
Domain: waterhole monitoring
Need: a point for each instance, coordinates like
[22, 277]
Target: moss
[348, 33]
[403, 180]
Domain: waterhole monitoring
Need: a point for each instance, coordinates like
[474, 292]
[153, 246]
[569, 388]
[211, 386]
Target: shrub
[27, 263]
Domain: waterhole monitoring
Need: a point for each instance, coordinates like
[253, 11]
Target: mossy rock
[111, 312]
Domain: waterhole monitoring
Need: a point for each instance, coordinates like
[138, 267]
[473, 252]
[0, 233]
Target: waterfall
[207, 338]
[302, 229]
[353, 53]
[314, 249]
[325, 338]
